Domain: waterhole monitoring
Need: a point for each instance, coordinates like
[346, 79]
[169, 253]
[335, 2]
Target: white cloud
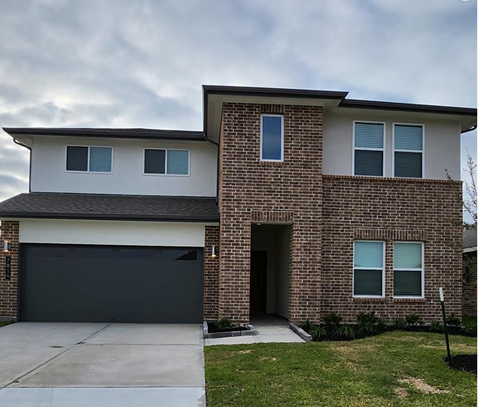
[141, 64]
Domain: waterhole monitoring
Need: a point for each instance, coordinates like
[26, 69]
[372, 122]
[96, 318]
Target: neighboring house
[470, 272]
[290, 202]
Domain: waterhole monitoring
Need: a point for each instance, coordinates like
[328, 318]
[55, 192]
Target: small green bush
[224, 324]
[345, 332]
[319, 333]
[436, 327]
[332, 320]
[453, 320]
[470, 330]
[413, 319]
[306, 325]
[367, 323]
[382, 326]
[399, 324]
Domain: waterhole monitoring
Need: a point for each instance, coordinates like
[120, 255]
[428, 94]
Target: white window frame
[166, 158]
[88, 159]
[408, 151]
[261, 137]
[369, 268]
[369, 149]
[422, 270]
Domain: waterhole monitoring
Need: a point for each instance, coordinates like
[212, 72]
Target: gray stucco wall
[442, 143]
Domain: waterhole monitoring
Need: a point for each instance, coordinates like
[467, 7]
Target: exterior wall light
[214, 254]
[7, 246]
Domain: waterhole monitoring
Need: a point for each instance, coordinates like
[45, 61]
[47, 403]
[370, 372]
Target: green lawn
[3, 323]
[392, 369]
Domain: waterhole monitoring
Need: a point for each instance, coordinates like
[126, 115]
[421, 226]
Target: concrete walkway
[271, 328]
[88, 364]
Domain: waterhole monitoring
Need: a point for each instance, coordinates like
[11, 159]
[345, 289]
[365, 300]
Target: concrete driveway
[97, 364]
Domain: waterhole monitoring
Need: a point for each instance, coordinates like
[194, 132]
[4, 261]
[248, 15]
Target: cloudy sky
[124, 63]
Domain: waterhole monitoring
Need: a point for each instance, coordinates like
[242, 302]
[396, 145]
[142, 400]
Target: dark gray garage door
[111, 283]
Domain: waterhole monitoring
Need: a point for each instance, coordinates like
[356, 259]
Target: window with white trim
[368, 268]
[369, 146]
[271, 143]
[408, 150]
[89, 159]
[166, 161]
[408, 269]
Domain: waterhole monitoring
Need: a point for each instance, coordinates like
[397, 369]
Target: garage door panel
[101, 284]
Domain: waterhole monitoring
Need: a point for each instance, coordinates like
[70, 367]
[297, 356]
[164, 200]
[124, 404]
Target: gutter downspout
[29, 165]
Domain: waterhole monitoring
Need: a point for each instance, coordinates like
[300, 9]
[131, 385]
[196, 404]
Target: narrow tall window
[271, 144]
[89, 159]
[408, 269]
[368, 273]
[369, 148]
[408, 154]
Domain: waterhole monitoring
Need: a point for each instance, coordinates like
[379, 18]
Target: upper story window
[167, 162]
[89, 159]
[408, 150]
[408, 269]
[369, 146]
[271, 144]
[368, 268]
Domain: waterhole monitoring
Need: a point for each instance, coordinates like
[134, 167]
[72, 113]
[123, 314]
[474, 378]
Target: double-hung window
[166, 162]
[369, 147]
[408, 269]
[408, 150]
[369, 269]
[271, 143]
[89, 159]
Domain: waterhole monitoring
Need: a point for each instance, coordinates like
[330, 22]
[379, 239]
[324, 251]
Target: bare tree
[469, 198]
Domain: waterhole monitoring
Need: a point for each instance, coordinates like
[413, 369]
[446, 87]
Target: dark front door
[258, 282]
[80, 283]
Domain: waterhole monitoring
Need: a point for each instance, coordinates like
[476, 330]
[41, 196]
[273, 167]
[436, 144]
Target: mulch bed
[213, 328]
[468, 363]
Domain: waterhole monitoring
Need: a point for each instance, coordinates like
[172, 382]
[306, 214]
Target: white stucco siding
[49, 173]
[123, 233]
[441, 150]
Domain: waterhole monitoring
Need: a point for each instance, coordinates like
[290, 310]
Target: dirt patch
[244, 352]
[409, 339]
[267, 358]
[401, 392]
[422, 386]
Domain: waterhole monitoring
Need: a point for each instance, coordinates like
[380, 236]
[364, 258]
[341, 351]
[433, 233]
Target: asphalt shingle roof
[122, 207]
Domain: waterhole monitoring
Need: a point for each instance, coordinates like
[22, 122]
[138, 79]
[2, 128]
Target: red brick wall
[9, 288]
[290, 192]
[470, 288]
[210, 273]
[391, 209]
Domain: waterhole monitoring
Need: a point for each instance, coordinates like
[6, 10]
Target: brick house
[289, 202]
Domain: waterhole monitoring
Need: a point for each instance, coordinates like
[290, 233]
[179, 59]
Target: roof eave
[35, 131]
[163, 218]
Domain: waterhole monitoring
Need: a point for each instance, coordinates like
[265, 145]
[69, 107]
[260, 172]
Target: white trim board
[123, 233]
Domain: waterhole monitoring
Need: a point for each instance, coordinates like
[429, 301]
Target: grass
[378, 371]
[3, 323]
[469, 321]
